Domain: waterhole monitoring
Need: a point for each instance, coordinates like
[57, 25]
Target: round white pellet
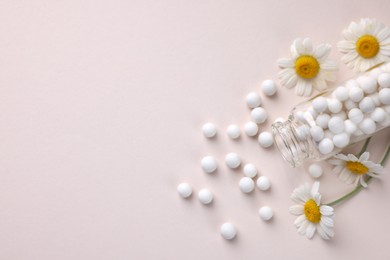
[209, 164]
[326, 146]
[263, 183]
[341, 93]
[334, 105]
[351, 84]
[341, 114]
[268, 87]
[336, 125]
[205, 196]
[320, 104]
[367, 105]
[384, 80]
[375, 98]
[281, 119]
[358, 132]
[209, 130]
[349, 104]
[355, 94]
[251, 129]
[265, 139]
[350, 127]
[378, 115]
[355, 115]
[384, 96]
[315, 170]
[311, 112]
[228, 231]
[184, 190]
[300, 115]
[368, 126]
[233, 131]
[266, 213]
[317, 133]
[368, 84]
[253, 100]
[232, 160]
[303, 132]
[375, 73]
[341, 140]
[246, 185]
[259, 115]
[323, 120]
[250, 170]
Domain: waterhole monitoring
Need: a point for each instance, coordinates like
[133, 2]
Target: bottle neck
[292, 139]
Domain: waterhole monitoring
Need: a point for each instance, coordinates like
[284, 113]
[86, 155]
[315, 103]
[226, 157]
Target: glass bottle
[323, 125]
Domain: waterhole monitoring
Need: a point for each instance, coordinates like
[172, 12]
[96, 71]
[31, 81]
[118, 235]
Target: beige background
[101, 108]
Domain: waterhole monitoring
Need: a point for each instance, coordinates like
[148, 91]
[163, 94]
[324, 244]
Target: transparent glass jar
[323, 125]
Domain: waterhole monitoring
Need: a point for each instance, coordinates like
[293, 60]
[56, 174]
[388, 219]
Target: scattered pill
[367, 105]
[251, 129]
[259, 115]
[232, 160]
[250, 170]
[209, 130]
[334, 105]
[263, 183]
[317, 133]
[384, 80]
[336, 125]
[325, 146]
[265, 139]
[355, 94]
[246, 185]
[341, 140]
[320, 104]
[367, 84]
[367, 126]
[315, 170]
[266, 213]
[378, 115]
[184, 190]
[384, 96]
[341, 93]
[355, 115]
[233, 131]
[269, 87]
[253, 100]
[228, 231]
[205, 196]
[209, 164]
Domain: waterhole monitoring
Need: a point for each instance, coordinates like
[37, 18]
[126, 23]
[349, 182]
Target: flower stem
[360, 187]
[364, 146]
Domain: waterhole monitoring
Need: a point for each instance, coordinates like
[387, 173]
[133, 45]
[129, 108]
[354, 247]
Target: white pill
[317, 133]
[341, 93]
[209, 130]
[232, 160]
[228, 231]
[384, 80]
[259, 115]
[253, 100]
[300, 115]
[355, 94]
[358, 132]
[251, 129]
[250, 170]
[326, 146]
[336, 125]
[246, 185]
[268, 87]
[341, 140]
[281, 119]
[349, 104]
[205, 196]
[384, 96]
[323, 120]
[367, 105]
[351, 84]
[303, 132]
[263, 183]
[265, 139]
[378, 115]
[320, 104]
[209, 164]
[375, 73]
[315, 170]
[312, 113]
[184, 190]
[341, 114]
[233, 131]
[368, 126]
[334, 105]
[375, 98]
[266, 213]
[368, 84]
[355, 115]
[350, 127]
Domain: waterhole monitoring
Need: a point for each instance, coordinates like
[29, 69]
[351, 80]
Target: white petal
[346, 46]
[303, 227]
[298, 45]
[315, 188]
[352, 157]
[285, 63]
[349, 57]
[329, 65]
[292, 81]
[299, 221]
[363, 182]
[364, 157]
[383, 34]
[348, 35]
[296, 210]
[327, 221]
[342, 157]
[307, 45]
[300, 88]
[311, 228]
[322, 51]
[327, 230]
[322, 233]
[336, 162]
[326, 210]
[319, 84]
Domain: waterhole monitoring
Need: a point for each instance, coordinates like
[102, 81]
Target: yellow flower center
[367, 46]
[307, 67]
[356, 167]
[312, 211]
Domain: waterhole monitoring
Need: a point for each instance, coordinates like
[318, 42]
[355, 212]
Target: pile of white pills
[361, 107]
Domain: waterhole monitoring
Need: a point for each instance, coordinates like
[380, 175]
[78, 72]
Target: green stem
[364, 148]
[360, 187]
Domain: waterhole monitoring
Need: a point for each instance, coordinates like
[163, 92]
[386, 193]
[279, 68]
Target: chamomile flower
[312, 216]
[365, 45]
[354, 170]
[307, 67]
